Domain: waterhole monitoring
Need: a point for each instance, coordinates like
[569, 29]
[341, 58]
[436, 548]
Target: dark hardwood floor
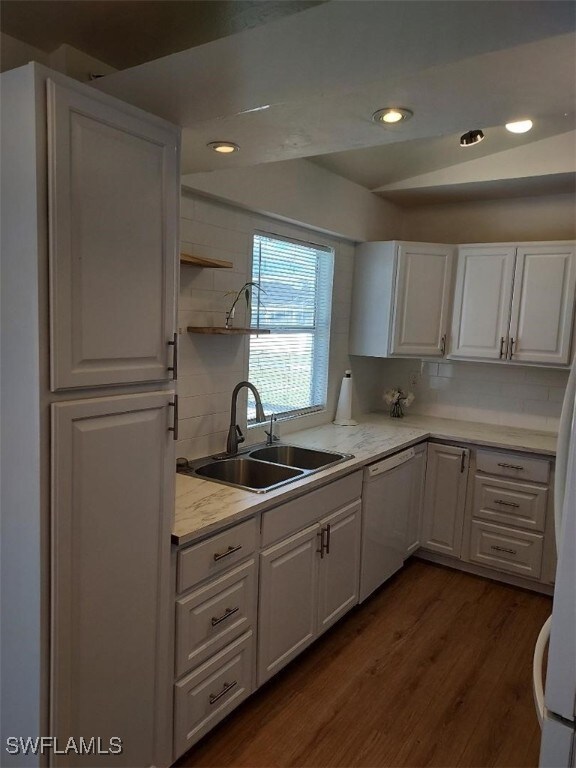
[433, 670]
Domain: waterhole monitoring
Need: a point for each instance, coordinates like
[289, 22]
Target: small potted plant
[245, 291]
[397, 400]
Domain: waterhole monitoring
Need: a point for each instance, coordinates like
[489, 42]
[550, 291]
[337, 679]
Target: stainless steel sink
[294, 456]
[248, 473]
[262, 468]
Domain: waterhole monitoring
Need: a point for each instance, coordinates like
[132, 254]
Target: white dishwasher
[386, 500]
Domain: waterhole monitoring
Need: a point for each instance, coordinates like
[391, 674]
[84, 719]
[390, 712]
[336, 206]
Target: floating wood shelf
[202, 261]
[227, 331]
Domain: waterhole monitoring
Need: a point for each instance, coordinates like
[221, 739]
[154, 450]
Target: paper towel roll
[344, 410]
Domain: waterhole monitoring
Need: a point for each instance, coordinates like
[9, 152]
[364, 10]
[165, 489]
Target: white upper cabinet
[113, 202]
[543, 304]
[482, 301]
[514, 302]
[401, 299]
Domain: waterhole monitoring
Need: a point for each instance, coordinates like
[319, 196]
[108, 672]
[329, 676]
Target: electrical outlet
[414, 377]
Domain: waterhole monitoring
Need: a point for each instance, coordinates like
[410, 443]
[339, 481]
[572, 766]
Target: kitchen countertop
[204, 507]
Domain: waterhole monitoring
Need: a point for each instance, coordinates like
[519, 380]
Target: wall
[210, 365]
[66, 59]
[552, 217]
[301, 192]
[516, 396]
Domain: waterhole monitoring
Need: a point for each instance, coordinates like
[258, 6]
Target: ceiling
[300, 80]
[124, 33]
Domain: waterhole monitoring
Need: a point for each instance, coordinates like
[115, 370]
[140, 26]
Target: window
[289, 366]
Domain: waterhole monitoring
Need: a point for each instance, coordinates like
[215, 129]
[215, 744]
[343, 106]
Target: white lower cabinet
[288, 600]
[307, 582]
[215, 624]
[445, 498]
[506, 549]
[210, 692]
[418, 487]
[309, 579]
[510, 515]
[339, 570]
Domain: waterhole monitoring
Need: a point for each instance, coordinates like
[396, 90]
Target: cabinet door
[113, 208]
[417, 501]
[112, 508]
[543, 304]
[339, 571]
[445, 497]
[422, 300]
[482, 302]
[288, 602]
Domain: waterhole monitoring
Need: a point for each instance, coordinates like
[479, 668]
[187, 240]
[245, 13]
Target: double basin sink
[263, 469]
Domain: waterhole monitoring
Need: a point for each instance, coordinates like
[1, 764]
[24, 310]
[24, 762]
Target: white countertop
[203, 507]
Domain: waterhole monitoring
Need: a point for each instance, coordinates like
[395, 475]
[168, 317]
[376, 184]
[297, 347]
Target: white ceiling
[323, 71]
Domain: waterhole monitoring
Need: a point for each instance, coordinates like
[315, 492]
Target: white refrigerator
[556, 702]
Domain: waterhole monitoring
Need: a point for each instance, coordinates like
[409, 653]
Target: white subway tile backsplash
[520, 396]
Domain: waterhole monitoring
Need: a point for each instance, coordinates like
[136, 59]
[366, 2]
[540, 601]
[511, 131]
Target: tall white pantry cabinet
[90, 190]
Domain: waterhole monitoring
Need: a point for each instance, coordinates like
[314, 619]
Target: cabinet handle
[443, 345]
[328, 537]
[501, 347]
[509, 466]
[511, 350]
[231, 549]
[503, 549]
[321, 550]
[506, 503]
[227, 687]
[174, 427]
[174, 367]
[463, 462]
[226, 615]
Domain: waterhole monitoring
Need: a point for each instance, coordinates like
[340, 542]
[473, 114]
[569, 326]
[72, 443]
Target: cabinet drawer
[307, 509]
[504, 501]
[216, 554]
[514, 465]
[207, 695]
[506, 549]
[214, 615]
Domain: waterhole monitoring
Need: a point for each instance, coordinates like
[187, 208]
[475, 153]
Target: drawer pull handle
[226, 615]
[328, 538]
[231, 549]
[501, 347]
[509, 466]
[227, 687]
[506, 503]
[503, 549]
[443, 345]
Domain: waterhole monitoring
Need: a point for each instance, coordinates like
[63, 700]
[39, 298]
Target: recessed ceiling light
[224, 147]
[471, 137]
[520, 126]
[392, 115]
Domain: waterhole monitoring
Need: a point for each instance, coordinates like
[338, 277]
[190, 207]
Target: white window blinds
[289, 366]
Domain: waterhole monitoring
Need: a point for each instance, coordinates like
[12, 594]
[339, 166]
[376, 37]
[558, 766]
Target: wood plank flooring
[433, 670]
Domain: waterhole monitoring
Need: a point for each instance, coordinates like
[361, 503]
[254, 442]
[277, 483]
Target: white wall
[301, 192]
[211, 365]
[516, 396]
[551, 217]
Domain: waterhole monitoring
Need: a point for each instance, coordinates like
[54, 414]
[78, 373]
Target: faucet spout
[235, 435]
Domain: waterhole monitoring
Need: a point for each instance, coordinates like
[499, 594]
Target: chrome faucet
[235, 436]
